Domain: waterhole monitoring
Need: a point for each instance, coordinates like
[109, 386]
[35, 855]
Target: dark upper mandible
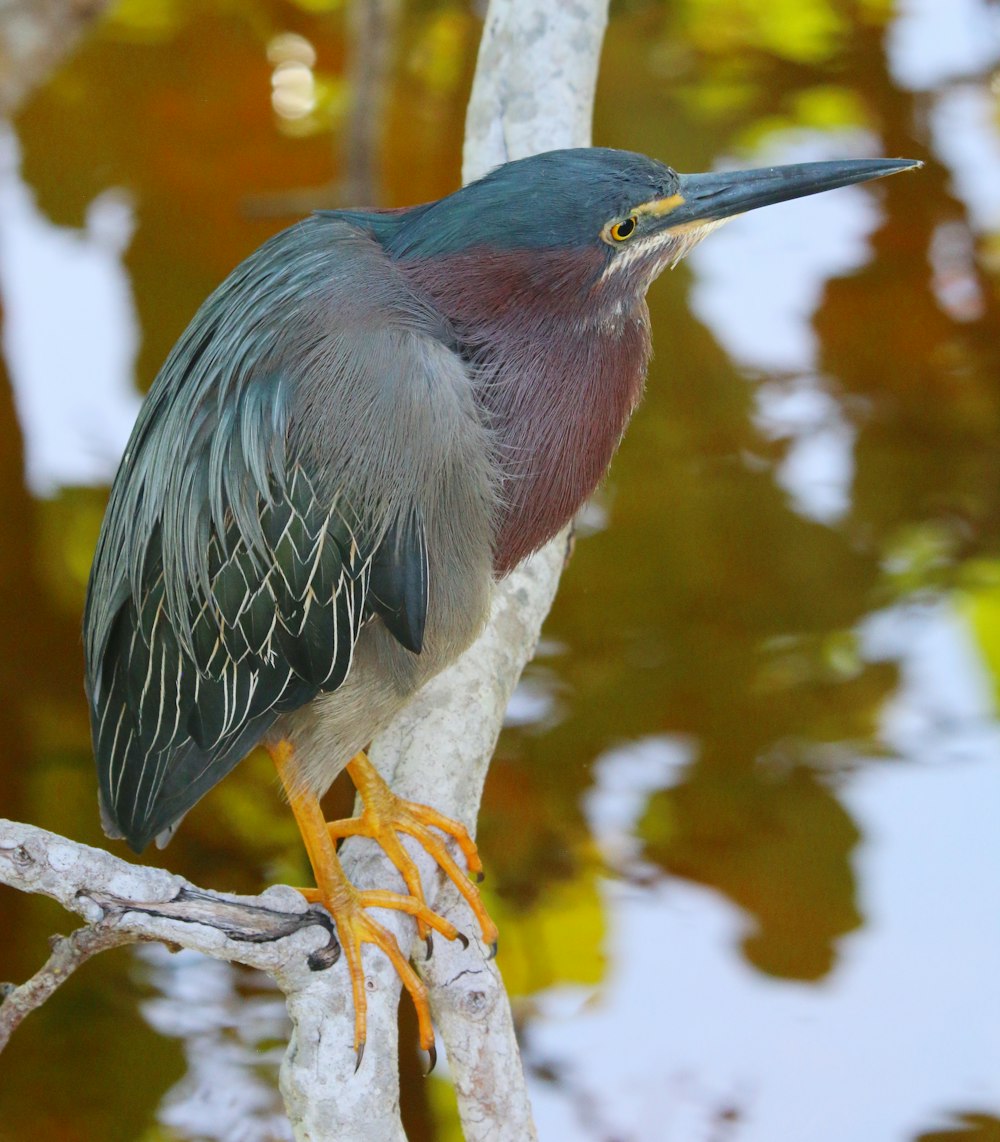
[564, 199]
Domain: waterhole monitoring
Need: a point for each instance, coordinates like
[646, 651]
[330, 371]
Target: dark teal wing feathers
[169, 722]
[398, 585]
[234, 569]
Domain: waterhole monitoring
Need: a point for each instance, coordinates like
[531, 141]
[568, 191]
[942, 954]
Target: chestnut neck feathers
[558, 346]
[557, 391]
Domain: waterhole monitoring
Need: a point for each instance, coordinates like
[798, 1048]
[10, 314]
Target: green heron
[375, 417]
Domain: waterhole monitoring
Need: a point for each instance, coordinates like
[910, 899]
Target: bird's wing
[244, 545]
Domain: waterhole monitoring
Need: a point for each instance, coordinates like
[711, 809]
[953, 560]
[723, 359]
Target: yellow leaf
[559, 941]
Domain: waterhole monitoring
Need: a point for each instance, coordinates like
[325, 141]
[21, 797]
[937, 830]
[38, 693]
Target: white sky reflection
[758, 282]
[684, 1028]
[759, 279]
[70, 333]
[932, 42]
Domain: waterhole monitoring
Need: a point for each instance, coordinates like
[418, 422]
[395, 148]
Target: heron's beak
[703, 198]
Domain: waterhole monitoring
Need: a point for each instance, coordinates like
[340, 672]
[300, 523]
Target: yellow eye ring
[621, 231]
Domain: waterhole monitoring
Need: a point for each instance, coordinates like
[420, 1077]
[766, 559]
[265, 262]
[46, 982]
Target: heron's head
[603, 217]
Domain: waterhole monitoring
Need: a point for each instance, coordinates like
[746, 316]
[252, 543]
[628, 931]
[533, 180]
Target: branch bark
[533, 91]
[35, 36]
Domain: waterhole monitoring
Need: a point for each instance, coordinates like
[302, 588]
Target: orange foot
[384, 814]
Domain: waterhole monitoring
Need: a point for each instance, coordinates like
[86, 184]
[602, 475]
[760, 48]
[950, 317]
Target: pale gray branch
[276, 932]
[68, 953]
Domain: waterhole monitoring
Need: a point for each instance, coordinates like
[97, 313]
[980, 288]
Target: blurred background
[741, 828]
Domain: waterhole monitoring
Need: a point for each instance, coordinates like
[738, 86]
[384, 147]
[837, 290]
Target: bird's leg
[348, 905]
[385, 815]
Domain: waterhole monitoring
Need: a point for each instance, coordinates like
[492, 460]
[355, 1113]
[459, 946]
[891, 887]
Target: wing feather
[233, 572]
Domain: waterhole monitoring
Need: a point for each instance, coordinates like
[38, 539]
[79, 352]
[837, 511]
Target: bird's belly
[327, 732]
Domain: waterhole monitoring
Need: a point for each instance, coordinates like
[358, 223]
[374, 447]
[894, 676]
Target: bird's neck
[556, 390]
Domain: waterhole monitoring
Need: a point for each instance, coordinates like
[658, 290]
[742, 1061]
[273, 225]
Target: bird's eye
[624, 229]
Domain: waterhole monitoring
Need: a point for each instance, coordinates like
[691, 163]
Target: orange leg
[348, 907]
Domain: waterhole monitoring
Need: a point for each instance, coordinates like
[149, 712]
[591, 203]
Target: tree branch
[68, 953]
[533, 91]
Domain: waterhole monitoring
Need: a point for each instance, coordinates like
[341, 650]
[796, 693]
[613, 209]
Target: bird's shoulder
[331, 266]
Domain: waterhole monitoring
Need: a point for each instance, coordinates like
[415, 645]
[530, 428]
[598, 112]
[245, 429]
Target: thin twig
[68, 953]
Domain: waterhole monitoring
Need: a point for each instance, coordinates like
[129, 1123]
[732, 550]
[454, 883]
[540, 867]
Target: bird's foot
[385, 815]
[348, 907]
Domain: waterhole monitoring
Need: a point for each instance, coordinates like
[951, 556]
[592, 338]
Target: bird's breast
[558, 422]
[559, 369]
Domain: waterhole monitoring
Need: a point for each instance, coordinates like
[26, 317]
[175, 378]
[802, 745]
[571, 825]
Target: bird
[370, 422]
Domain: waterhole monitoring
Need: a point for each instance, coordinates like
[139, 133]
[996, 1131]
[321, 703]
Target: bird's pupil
[623, 229]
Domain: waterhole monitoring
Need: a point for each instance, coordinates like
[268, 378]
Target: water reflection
[682, 1036]
[760, 280]
[896, 1037]
[929, 44]
[944, 707]
[70, 333]
[818, 464]
[963, 125]
[623, 781]
[682, 1028]
[233, 1027]
[955, 282]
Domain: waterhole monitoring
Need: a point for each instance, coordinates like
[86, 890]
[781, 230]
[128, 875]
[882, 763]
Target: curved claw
[494, 947]
[359, 1054]
[356, 927]
[432, 1060]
